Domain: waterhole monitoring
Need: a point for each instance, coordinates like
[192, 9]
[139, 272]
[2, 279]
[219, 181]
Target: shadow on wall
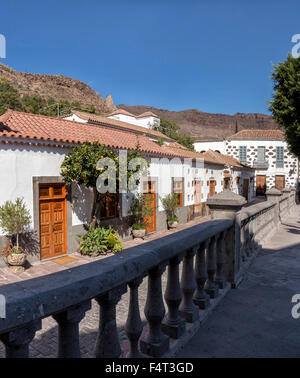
[82, 200]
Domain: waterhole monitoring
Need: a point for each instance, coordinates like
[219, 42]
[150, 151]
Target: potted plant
[169, 203]
[139, 209]
[14, 220]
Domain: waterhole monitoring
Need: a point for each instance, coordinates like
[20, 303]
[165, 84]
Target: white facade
[148, 121]
[271, 169]
[203, 146]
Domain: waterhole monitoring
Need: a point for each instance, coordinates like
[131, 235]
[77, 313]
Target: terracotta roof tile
[258, 134]
[225, 159]
[32, 126]
[121, 111]
[119, 124]
[147, 114]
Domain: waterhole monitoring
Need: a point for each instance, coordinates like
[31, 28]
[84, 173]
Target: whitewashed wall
[147, 122]
[218, 145]
[289, 170]
[19, 164]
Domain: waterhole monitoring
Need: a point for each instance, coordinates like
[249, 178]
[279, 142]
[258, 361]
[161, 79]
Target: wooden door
[53, 241]
[212, 188]
[279, 182]
[246, 188]
[149, 189]
[197, 198]
[261, 184]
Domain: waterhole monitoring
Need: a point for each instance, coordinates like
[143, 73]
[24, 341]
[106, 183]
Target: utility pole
[58, 109]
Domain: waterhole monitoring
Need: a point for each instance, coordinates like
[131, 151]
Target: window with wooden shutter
[108, 205]
[261, 152]
[279, 157]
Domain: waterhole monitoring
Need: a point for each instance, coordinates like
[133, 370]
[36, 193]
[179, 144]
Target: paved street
[255, 319]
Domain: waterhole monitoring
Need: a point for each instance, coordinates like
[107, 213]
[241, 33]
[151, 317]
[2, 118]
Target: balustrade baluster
[211, 287]
[134, 326]
[201, 299]
[187, 309]
[154, 343]
[68, 330]
[173, 325]
[108, 344]
[220, 278]
[17, 341]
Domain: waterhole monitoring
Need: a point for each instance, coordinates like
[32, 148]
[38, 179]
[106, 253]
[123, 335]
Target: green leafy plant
[169, 203]
[14, 219]
[99, 240]
[285, 106]
[80, 166]
[139, 209]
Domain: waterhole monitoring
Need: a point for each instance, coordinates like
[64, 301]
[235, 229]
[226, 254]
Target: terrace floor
[41, 268]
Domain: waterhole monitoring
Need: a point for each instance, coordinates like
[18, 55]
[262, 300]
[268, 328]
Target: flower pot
[173, 224]
[139, 234]
[16, 259]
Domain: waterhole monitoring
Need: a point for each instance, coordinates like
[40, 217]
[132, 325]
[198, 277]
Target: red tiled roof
[184, 152]
[21, 125]
[119, 124]
[147, 114]
[121, 111]
[225, 159]
[258, 134]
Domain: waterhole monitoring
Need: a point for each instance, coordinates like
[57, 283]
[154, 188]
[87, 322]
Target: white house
[33, 147]
[214, 144]
[264, 150]
[147, 119]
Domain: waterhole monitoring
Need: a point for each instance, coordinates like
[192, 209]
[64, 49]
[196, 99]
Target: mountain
[193, 122]
[57, 87]
[202, 125]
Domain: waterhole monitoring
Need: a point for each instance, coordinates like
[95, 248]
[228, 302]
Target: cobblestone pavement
[45, 341]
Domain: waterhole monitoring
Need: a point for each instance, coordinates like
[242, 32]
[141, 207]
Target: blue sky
[215, 56]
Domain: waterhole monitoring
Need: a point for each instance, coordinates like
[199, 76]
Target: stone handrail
[67, 295]
[213, 255]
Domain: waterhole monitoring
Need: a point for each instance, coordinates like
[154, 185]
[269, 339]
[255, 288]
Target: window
[243, 153]
[178, 189]
[108, 205]
[226, 183]
[279, 157]
[261, 154]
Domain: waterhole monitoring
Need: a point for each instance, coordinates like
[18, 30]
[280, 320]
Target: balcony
[260, 164]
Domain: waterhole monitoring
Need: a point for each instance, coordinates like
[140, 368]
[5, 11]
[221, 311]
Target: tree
[80, 166]
[14, 218]
[172, 130]
[9, 97]
[285, 106]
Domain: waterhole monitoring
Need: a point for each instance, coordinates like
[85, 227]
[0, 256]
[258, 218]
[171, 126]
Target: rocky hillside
[57, 87]
[204, 125]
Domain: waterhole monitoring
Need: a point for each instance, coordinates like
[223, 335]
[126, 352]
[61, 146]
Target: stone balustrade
[200, 262]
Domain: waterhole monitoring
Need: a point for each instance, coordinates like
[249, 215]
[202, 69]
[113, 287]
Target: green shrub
[169, 203]
[100, 239]
[138, 226]
[173, 219]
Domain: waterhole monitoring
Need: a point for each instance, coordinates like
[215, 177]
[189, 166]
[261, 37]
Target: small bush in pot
[139, 209]
[14, 220]
[169, 203]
